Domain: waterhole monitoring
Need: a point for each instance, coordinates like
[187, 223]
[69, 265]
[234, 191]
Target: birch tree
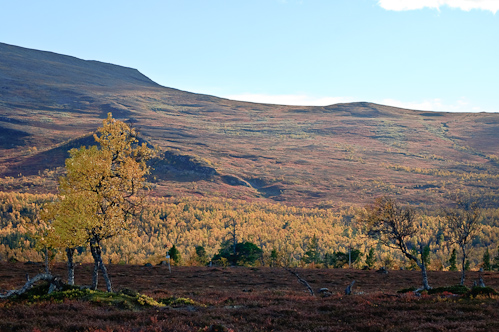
[463, 224]
[103, 189]
[396, 226]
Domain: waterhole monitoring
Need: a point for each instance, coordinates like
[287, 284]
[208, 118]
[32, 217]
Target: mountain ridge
[302, 155]
[50, 58]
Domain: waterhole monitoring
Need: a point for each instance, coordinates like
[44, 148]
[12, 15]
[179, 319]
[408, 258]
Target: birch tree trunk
[422, 265]
[47, 268]
[99, 264]
[71, 267]
[463, 266]
[95, 274]
[426, 286]
[103, 268]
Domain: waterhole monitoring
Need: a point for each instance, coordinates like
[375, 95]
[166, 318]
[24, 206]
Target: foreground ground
[256, 299]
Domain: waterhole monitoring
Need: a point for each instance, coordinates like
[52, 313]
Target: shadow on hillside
[49, 159]
[12, 138]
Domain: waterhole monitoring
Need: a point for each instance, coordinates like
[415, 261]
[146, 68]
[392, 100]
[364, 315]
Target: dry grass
[258, 299]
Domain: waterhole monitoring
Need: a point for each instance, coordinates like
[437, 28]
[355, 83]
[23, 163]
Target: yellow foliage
[99, 194]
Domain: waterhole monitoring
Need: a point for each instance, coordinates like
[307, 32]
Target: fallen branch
[55, 283]
[303, 281]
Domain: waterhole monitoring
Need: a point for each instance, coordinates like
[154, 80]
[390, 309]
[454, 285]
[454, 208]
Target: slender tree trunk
[71, 268]
[426, 286]
[103, 268]
[422, 265]
[463, 266]
[99, 264]
[95, 274]
[47, 268]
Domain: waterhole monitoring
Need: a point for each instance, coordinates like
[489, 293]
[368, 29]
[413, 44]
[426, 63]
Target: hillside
[314, 156]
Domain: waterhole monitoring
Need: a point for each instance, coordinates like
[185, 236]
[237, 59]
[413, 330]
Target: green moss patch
[179, 302]
[125, 299]
[455, 289]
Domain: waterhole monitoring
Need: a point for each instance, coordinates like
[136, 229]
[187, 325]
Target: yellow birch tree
[101, 191]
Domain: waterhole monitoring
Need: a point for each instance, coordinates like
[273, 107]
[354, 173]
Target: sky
[439, 55]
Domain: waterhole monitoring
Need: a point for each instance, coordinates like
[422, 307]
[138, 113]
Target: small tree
[463, 224]
[395, 226]
[495, 265]
[453, 260]
[39, 231]
[486, 261]
[312, 255]
[174, 255]
[248, 253]
[232, 224]
[388, 261]
[201, 256]
[339, 259]
[274, 258]
[370, 259]
[245, 253]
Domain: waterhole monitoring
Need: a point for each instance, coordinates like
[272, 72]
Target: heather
[252, 299]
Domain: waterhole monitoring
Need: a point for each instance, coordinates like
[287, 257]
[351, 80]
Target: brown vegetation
[256, 299]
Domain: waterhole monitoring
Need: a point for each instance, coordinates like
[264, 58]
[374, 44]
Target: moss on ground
[455, 289]
[124, 299]
[482, 292]
[461, 290]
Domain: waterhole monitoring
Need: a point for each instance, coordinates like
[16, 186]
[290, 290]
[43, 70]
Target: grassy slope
[299, 155]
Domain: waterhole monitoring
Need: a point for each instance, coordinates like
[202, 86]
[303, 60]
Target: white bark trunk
[55, 283]
[71, 267]
[99, 264]
[463, 268]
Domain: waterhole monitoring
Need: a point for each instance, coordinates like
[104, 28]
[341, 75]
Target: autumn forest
[103, 168]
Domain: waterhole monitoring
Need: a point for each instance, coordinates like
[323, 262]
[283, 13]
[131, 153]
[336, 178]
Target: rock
[382, 270]
[324, 292]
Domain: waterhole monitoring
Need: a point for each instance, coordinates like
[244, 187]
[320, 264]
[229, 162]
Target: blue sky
[440, 55]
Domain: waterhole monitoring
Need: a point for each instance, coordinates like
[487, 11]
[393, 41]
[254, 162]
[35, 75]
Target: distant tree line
[284, 234]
